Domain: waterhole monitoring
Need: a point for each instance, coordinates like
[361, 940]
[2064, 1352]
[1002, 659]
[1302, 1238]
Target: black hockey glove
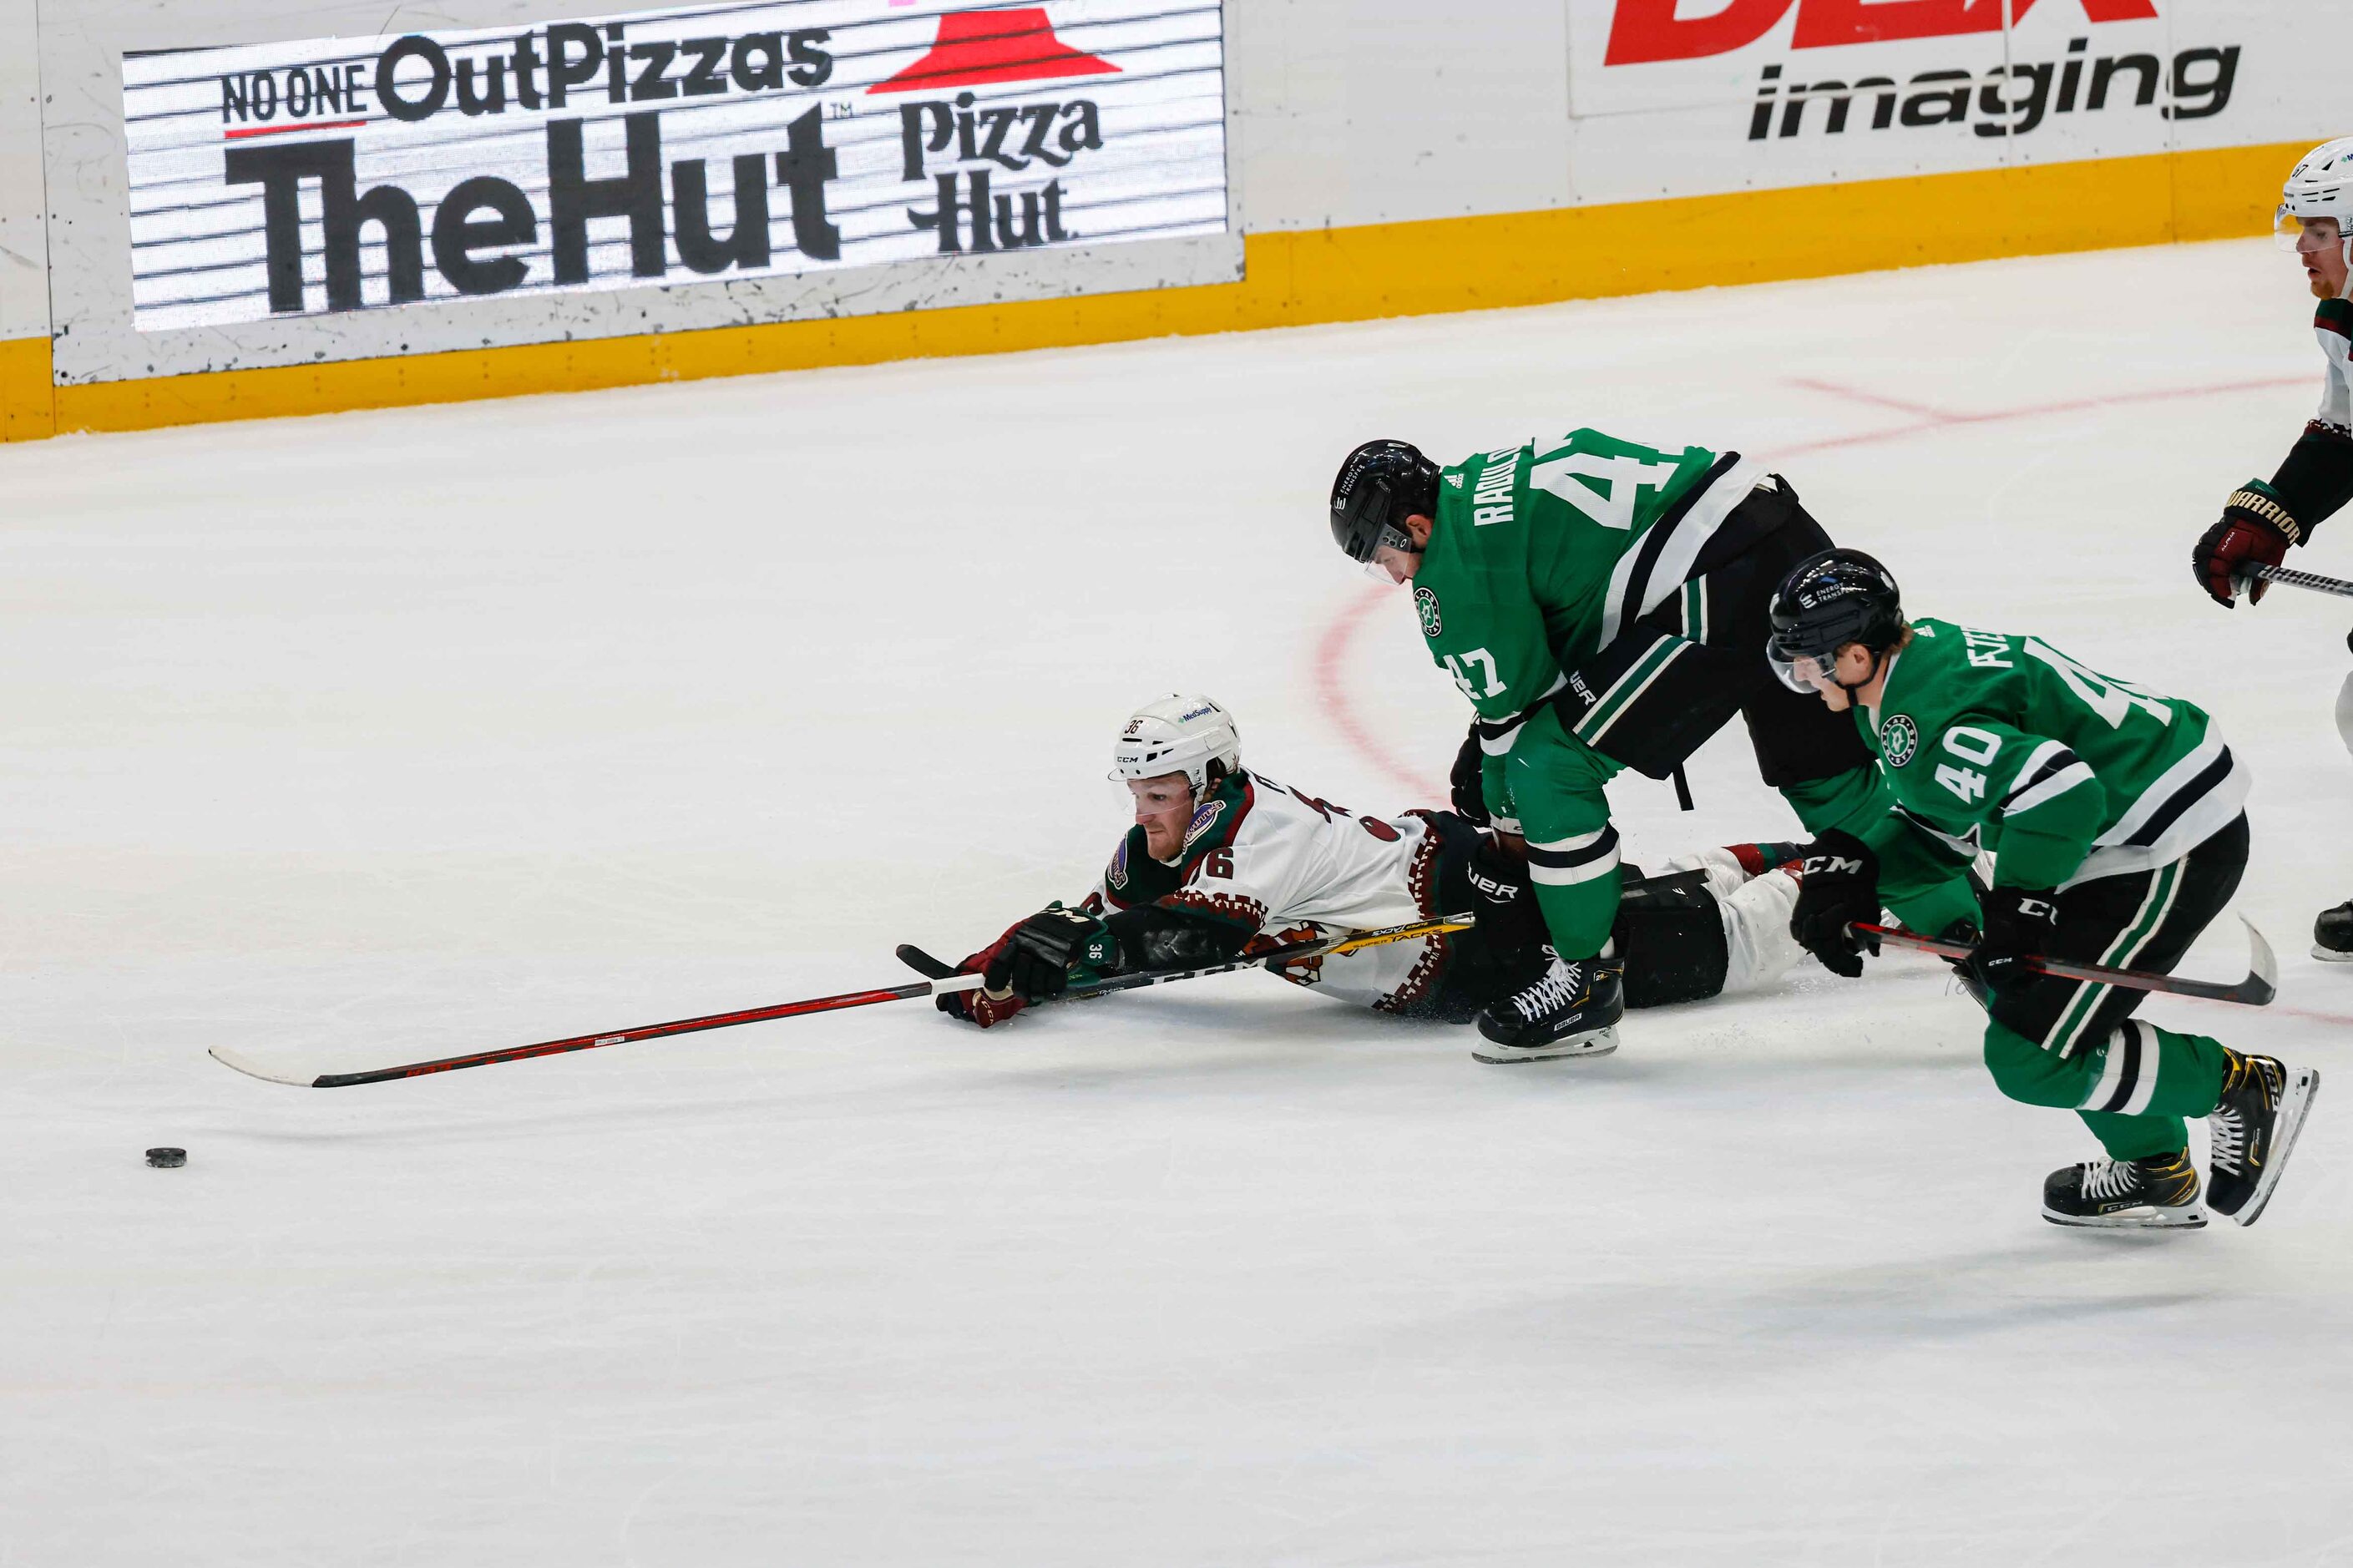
[1504, 903]
[1838, 887]
[2018, 923]
[1468, 783]
[1046, 952]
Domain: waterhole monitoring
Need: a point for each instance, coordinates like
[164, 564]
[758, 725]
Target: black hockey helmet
[1829, 599]
[1381, 485]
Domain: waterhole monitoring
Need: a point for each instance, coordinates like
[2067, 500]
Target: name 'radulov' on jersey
[779, 137]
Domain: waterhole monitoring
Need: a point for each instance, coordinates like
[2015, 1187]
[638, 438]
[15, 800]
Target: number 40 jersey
[2005, 745]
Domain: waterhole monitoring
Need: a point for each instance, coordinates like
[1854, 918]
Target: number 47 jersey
[2003, 743]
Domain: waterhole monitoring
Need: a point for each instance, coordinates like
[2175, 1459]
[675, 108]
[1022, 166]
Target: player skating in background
[1221, 859]
[2114, 816]
[1602, 605]
[2262, 518]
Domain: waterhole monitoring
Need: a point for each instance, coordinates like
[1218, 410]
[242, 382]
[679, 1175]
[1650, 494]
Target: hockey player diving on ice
[1601, 603]
[1222, 860]
[2115, 817]
[2263, 517]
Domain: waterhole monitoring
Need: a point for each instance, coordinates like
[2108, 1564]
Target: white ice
[368, 738]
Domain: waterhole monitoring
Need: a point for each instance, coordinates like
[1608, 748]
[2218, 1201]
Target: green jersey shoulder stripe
[2002, 743]
[1662, 562]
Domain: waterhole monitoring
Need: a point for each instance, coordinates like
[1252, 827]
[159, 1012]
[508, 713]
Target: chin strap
[1854, 692]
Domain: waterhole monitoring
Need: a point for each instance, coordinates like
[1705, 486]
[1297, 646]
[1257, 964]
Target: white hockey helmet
[2320, 185]
[1177, 734]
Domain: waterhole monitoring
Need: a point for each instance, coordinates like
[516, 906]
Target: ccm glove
[1042, 955]
[1838, 887]
[2253, 530]
[2019, 922]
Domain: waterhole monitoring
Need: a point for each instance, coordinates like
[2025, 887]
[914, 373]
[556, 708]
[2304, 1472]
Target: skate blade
[2302, 1084]
[2331, 956]
[1599, 1043]
[2188, 1218]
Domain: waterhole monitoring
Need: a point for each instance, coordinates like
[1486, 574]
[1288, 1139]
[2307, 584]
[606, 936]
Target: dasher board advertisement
[1690, 97]
[673, 147]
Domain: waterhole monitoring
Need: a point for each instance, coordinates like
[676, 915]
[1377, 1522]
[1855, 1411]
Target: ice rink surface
[367, 739]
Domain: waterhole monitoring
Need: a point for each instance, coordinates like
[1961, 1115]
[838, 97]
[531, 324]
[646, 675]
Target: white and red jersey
[1284, 866]
[2333, 325]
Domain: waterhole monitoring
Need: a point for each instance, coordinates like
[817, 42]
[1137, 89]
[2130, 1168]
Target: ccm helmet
[1178, 734]
[2320, 185]
[1381, 485]
[1827, 600]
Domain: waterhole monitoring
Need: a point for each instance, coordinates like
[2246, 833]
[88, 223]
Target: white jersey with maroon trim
[1286, 866]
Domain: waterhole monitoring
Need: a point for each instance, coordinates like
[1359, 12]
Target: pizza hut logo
[1644, 32]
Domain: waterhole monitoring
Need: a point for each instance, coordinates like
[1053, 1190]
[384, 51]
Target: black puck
[167, 1159]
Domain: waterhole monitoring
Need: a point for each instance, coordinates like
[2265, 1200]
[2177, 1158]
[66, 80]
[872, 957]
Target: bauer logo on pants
[772, 137]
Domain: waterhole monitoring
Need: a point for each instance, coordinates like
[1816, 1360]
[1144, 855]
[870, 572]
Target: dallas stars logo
[1425, 604]
[1898, 738]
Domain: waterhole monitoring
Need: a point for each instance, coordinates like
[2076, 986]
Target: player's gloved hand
[1467, 784]
[2018, 923]
[1042, 955]
[978, 1006]
[2253, 530]
[1504, 902]
[1838, 887]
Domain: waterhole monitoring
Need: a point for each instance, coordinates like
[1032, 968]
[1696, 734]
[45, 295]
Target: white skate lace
[1558, 987]
[2226, 1141]
[2110, 1179]
[2226, 1130]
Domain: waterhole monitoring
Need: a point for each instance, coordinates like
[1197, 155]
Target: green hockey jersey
[2003, 743]
[1544, 552]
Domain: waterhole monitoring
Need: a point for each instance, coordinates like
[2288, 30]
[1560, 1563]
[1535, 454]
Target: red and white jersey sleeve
[1293, 868]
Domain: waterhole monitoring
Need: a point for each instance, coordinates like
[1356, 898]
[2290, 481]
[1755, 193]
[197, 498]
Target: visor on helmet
[1803, 672]
[1384, 571]
[2293, 231]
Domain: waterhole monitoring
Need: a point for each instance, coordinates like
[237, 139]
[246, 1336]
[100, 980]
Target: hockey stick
[2256, 990]
[1347, 942]
[2312, 580]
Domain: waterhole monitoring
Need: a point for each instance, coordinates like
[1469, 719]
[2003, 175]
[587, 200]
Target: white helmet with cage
[2320, 186]
[1177, 734]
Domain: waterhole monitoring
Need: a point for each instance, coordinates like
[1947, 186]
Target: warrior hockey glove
[2253, 530]
[1046, 952]
[1838, 887]
[2019, 922]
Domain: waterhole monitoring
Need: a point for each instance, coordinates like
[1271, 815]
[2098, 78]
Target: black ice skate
[1568, 1010]
[2158, 1193]
[2252, 1130]
[2332, 935]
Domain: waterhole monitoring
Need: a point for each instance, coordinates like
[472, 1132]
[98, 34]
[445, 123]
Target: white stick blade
[251, 1069]
[2260, 958]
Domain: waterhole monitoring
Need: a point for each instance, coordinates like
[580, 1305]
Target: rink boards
[232, 215]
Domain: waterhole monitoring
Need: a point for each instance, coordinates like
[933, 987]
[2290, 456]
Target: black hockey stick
[946, 978]
[1347, 942]
[2312, 580]
[2256, 990]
